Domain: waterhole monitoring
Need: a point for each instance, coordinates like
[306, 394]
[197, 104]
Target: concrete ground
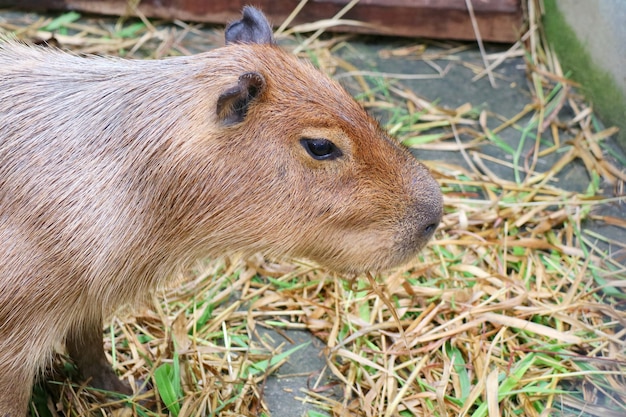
[456, 88]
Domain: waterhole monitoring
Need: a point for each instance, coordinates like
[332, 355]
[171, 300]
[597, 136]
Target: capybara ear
[233, 103]
[253, 27]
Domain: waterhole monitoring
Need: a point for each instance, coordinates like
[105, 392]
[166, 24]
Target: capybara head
[323, 180]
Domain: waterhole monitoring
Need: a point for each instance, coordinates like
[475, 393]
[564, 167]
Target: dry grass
[514, 309]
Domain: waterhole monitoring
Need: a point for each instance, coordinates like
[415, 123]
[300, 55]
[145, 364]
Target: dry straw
[513, 310]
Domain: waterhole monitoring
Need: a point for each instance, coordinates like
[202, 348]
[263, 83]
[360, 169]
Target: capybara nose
[428, 212]
[420, 225]
[427, 222]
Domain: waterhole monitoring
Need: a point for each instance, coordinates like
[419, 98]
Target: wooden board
[498, 20]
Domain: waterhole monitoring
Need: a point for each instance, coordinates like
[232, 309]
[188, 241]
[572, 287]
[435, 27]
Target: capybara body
[116, 174]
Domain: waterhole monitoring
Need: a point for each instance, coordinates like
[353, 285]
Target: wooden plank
[498, 20]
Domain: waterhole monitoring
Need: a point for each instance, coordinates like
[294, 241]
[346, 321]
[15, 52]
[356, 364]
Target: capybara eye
[321, 149]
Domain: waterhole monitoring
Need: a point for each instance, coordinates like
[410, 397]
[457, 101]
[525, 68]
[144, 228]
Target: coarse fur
[116, 174]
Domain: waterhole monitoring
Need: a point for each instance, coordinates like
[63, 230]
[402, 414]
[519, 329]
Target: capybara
[117, 174]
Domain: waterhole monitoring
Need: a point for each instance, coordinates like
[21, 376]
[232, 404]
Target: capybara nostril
[429, 229]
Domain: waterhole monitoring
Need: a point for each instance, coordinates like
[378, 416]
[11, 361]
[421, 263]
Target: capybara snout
[118, 174]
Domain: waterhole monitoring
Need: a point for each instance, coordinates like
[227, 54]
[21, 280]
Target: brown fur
[115, 174]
